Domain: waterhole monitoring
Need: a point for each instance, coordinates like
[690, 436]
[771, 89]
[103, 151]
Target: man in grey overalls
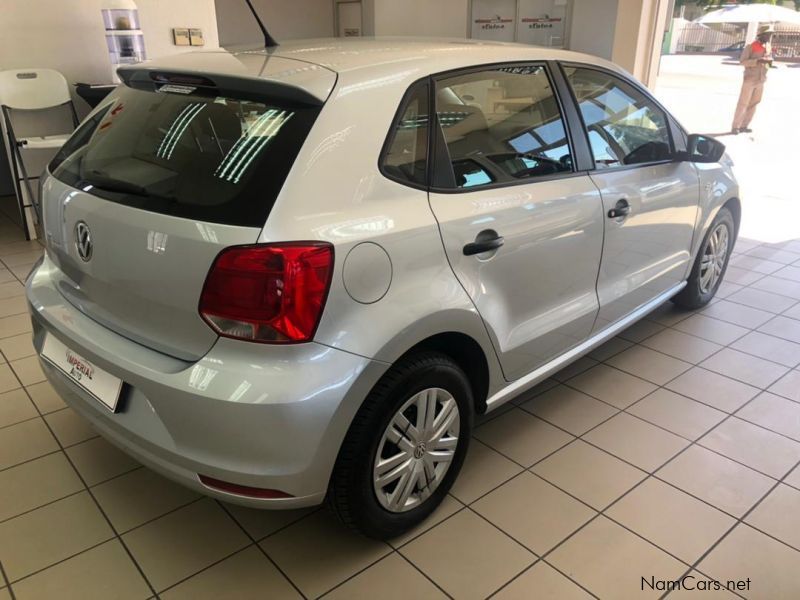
[757, 59]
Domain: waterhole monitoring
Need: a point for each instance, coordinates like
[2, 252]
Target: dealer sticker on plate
[100, 384]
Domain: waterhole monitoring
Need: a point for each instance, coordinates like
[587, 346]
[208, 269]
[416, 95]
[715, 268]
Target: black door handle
[481, 245]
[621, 209]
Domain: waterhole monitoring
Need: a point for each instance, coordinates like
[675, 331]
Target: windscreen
[208, 158]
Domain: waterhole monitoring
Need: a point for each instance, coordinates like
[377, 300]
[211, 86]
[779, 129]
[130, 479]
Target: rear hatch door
[156, 182]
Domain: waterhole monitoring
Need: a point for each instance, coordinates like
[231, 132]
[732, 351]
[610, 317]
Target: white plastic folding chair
[29, 90]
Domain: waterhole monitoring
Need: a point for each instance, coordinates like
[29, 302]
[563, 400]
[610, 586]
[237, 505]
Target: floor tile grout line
[94, 499]
[741, 521]
[415, 567]
[258, 544]
[6, 582]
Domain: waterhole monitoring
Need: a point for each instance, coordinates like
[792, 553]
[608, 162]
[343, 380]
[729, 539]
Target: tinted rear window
[215, 159]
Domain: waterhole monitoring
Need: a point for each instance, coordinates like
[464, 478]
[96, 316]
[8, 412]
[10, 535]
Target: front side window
[624, 126]
[502, 125]
[406, 154]
[208, 158]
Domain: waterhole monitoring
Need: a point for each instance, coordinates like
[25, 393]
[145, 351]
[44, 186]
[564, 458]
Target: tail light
[270, 293]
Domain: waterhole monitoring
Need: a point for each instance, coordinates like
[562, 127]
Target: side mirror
[703, 149]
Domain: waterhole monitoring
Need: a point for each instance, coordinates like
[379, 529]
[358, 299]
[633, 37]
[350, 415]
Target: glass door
[538, 22]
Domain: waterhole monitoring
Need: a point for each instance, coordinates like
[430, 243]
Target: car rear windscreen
[215, 159]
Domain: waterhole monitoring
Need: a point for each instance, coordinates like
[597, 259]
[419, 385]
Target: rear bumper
[270, 417]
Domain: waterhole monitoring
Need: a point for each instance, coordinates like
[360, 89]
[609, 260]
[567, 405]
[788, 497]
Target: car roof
[315, 64]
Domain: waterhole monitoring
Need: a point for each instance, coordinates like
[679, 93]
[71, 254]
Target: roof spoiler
[190, 83]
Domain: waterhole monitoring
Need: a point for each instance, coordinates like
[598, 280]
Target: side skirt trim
[523, 384]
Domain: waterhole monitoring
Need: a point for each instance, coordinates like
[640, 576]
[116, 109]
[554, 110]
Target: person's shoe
[735, 131]
[745, 130]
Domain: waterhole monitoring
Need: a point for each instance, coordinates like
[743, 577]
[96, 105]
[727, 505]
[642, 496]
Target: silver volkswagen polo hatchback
[297, 275]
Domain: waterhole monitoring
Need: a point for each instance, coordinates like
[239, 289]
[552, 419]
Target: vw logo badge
[83, 241]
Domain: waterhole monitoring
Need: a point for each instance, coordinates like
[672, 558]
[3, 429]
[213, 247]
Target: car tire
[711, 263]
[359, 493]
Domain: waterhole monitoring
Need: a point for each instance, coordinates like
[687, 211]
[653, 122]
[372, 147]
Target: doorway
[349, 19]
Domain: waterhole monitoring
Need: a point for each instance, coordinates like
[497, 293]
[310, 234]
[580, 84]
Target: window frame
[677, 135]
[441, 156]
[392, 133]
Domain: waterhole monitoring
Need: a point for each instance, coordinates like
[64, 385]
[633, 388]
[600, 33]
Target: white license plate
[100, 384]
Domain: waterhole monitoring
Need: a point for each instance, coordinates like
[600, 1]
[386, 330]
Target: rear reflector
[268, 293]
[241, 490]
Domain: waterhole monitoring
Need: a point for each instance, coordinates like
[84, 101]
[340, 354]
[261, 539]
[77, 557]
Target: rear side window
[625, 127]
[502, 125]
[214, 159]
[405, 157]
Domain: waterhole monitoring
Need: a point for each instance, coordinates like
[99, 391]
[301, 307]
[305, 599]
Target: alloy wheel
[714, 255]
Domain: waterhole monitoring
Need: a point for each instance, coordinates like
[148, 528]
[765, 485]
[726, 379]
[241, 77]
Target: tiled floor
[673, 449]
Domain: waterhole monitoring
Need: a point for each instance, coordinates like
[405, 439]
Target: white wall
[593, 25]
[285, 19]
[440, 18]
[68, 35]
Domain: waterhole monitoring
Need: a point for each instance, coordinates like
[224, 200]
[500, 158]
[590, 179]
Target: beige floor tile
[612, 385]
[140, 496]
[16, 305]
[641, 330]
[8, 381]
[776, 285]
[317, 553]
[671, 519]
[390, 578]
[610, 561]
[753, 446]
[15, 324]
[7, 249]
[711, 388]
[648, 364]
[745, 553]
[793, 478]
[22, 271]
[6, 275]
[246, 574]
[10, 290]
[28, 370]
[69, 427]
[573, 369]
[775, 413]
[539, 388]
[569, 409]
[97, 460]
[713, 330]
[788, 386]
[484, 469]
[45, 397]
[782, 327]
[738, 314]
[745, 368]
[779, 515]
[23, 258]
[542, 581]
[794, 312]
[103, 572]
[741, 276]
[36, 482]
[522, 437]
[15, 406]
[769, 348]
[668, 314]
[446, 509]
[25, 441]
[18, 346]
[774, 254]
[183, 542]
[717, 480]
[464, 568]
[636, 442]
[752, 263]
[610, 348]
[681, 345]
[261, 523]
[676, 413]
[726, 288]
[49, 534]
[763, 300]
[589, 474]
[533, 512]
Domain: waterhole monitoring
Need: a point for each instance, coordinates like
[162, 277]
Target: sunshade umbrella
[751, 13]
